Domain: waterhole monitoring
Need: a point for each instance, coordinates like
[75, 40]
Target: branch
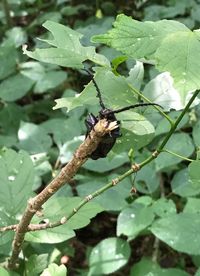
[79, 158]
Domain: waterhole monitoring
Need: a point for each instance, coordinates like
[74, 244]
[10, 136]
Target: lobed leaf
[169, 44]
[67, 49]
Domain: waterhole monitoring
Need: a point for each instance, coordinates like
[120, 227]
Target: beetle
[109, 139]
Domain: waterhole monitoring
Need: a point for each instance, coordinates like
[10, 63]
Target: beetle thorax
[106, 114]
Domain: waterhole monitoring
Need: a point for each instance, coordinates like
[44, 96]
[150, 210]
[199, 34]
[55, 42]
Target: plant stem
[178, 155]
[147, 100]
[175, 124]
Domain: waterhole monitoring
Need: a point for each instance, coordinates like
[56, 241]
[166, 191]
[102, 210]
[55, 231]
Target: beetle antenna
[132, 106]
[99, 96]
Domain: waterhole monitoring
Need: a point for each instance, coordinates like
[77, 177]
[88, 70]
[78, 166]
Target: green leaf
[62, 207]
[147, 267]
[6, 238]
[51, 236]
[164, 127]
[68, 50]
[3, 272]
[197, 272]
[134, 219]
[33, 138]
[8, 60]
[185, 182]
[192, 205]
[16, 181]
[144, 200]
[196, 133]
[10, 117]
[55, 270]
[164, 207]
[179, 143]
[8, 140]
[179, 231]
[161, 41]
[155, 12]
[114, 89]
[50, 80]
[15, 37]
[108, 256]
[15, 87]
[194, 173]
[67, 150]
[147, 181]
[34, 70]
[42, 17]
[63, 129]
[136, 75]
[182, 49]
[137, 39]
[136, 130]
[107, 164]
[36, 264]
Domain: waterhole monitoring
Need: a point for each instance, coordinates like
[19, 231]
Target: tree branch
[34, 204]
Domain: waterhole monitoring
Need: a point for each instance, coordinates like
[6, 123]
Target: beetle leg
[90, 122]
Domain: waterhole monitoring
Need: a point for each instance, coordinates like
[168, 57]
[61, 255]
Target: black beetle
[108, 140]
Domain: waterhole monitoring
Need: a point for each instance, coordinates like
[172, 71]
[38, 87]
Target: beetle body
[109, 139]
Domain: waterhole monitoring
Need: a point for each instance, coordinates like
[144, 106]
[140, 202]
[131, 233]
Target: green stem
[178, 155]
[180, 117]
[147, 100]
[90, 197]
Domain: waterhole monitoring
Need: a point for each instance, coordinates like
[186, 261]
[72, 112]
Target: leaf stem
[178, 155]
[175, 124]
[147, 100]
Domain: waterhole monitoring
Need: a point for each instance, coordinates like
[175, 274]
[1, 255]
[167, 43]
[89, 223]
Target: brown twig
[35, 204]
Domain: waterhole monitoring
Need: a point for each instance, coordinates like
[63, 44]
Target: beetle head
[106, 113]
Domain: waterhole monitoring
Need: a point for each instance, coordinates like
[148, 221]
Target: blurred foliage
[36, 141]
